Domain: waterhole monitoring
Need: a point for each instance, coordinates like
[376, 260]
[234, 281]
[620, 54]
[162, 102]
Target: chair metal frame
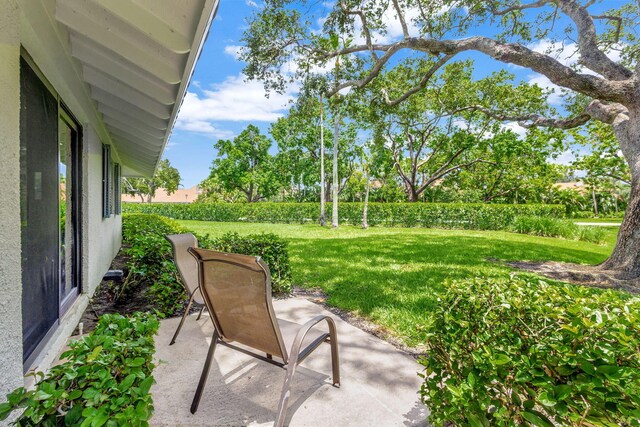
[290, 360]
[196, 289]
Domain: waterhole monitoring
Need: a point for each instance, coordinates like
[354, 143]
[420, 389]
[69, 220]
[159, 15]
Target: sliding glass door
[68, 172]
[50, 159]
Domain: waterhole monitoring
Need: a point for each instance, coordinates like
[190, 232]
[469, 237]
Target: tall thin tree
[323, 197]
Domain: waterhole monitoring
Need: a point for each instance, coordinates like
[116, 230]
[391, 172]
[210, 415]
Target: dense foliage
[272, 249]
[438, 215]
[505, 352]
[151, 260]
[553, 227]
[104, 380]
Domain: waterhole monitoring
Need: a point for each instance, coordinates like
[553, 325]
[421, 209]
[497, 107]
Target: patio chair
[188, 269]
[237, 292]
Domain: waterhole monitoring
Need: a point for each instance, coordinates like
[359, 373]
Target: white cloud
[201, 126]
[234, 100]
[555, 96]
[252, 3]
[233, 50]
[565, 158]
[515, 128]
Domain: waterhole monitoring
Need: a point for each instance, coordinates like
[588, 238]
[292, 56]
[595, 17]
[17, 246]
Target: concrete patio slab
[379, 383]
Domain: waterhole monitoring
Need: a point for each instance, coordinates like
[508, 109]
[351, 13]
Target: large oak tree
[377, 34]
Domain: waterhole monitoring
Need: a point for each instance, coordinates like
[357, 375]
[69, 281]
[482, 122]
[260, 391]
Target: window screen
[117, 187]
[107, 184]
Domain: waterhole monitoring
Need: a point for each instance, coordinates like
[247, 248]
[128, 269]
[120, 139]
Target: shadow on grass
[395, 280]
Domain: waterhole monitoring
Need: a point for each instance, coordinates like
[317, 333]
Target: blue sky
[220, 103]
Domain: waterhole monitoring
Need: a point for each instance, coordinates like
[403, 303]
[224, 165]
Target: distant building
[573, 185]
[182, 195]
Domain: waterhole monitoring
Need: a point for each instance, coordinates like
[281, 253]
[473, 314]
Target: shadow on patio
[379, 383]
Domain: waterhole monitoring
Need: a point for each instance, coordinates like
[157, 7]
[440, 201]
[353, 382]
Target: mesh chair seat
[237, 292]
[187, 268]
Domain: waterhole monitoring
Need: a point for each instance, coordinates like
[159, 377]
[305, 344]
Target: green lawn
[393, 275]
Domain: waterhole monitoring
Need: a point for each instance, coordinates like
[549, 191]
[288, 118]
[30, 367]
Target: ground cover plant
[514, 351]
[104, 379]
[394, 276]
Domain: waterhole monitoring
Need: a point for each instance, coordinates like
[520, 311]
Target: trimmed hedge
[439, 215]
[104, 380]
[511, 352]
[151, 259]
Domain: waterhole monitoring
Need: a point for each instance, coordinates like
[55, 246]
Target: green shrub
[510, 352]
[104, 380]
[553, 227]
[438, 215]
[271, 248]
[151, 259]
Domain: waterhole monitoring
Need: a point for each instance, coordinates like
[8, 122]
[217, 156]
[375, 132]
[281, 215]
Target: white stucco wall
[101, 238]
[10, 271]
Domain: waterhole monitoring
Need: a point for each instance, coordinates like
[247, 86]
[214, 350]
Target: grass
[393, 276]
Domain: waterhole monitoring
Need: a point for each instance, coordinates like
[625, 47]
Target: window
[117, 193]
[107, 182]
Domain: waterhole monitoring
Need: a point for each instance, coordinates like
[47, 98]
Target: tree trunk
[412, 194]
[365, 210]
[625, 259]
[595, 202]
[335, 183]
[323, 197]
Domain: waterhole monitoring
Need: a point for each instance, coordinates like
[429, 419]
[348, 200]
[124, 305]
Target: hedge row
[524, 352]
[438, 215]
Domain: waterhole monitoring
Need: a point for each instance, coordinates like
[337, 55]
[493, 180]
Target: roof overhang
[134, 60]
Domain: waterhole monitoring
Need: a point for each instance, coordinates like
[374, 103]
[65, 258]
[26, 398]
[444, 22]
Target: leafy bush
[553, 227]
[104, 380]
[151, 259]
[509, 352]
[438, 215]
[271, 248]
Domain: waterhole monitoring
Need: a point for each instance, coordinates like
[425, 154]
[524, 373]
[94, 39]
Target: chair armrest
[294, 352]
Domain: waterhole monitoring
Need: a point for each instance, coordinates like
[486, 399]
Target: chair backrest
[187, 266]
[237, 291]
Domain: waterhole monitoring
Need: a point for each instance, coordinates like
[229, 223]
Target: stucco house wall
[101, 237]
[121, 69]
[10, 272]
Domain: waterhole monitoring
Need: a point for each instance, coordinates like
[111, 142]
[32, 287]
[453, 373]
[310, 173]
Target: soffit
[136, 58]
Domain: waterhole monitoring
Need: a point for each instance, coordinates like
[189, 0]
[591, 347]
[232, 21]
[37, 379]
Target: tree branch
[590, 54]
[423, 82]
[531, 120]
[365, 27]
[520, 7]
[590, 85]
[403, 23]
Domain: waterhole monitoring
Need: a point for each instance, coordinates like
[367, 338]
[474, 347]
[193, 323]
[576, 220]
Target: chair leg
[205, 373]
[184, 316]
[286, 393]
[200, 314]
[335, 359]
